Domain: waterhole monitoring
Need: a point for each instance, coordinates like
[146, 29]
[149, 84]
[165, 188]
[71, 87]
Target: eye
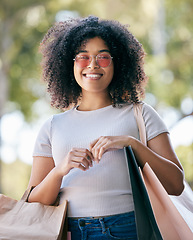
[82, 57]
[104, 56]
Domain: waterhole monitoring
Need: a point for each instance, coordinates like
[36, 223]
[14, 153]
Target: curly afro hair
[62, 42]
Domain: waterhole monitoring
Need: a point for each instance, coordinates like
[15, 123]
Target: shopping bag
[184, 204]
[156, 215]
[21, 220]
[147, 228]
[171, 224]
[180, 207]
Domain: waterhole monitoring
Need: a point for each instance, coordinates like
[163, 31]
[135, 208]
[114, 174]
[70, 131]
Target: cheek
[77, 74]
[111, 73]
[75, 71]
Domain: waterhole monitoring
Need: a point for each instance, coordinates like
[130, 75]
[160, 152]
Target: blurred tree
[23, 24]
[180, 50]
[20, 31]
[185, 153]
[15, 178]
[171, 73]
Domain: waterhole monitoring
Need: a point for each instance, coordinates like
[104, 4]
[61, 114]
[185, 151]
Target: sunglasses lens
[103, 60]
[82, 60]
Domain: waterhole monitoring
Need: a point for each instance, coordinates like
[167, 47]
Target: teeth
[93, 75]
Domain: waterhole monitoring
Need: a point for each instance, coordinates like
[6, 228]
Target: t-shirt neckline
[96, 110]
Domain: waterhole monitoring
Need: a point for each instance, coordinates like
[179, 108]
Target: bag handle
[137, 109]
[26, 194]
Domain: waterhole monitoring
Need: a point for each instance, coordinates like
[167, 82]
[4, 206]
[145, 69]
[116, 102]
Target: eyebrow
[104, 50]
[100, 51]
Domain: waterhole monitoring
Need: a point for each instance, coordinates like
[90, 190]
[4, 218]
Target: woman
[96, 66]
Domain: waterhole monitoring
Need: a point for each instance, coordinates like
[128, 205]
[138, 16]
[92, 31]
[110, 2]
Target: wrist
[57, 173]
[131, 141]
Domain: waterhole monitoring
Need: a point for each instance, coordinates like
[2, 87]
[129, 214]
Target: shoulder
[147, 107]
[54, 120]
[149, 112]
[153, 122]
[144, 109]
[62, 116]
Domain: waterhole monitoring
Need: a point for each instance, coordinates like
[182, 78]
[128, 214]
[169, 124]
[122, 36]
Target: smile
[93, 75]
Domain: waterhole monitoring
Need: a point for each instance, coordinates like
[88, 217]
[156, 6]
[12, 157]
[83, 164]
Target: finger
[103, 149]
[83, 150]
[84, 161]
[93, 143]
[89, 161]
[93, 150]
[80, 150]
[97, 147]
[78, 165]
[89, 155]
[85, 154]
[96, 150]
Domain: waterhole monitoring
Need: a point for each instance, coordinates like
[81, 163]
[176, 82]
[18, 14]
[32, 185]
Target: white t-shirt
[105, 188]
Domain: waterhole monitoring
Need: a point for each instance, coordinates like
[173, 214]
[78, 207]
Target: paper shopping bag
[20, 220]
[156, 215]
[146, 224]
[171, 224]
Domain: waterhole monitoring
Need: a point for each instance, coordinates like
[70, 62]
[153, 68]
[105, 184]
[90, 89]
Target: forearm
[170, 174]
[47, 191]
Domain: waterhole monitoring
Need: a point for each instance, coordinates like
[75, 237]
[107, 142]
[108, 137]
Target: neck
[94, 101]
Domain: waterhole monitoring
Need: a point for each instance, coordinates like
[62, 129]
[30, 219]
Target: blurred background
[163, 27]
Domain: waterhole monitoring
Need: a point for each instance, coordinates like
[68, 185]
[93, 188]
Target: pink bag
[20, 220]
[170, 222]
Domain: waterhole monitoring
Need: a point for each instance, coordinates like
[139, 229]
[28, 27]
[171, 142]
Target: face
[94, 78]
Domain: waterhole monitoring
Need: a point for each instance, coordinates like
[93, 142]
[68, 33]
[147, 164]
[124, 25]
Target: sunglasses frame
[91, 59]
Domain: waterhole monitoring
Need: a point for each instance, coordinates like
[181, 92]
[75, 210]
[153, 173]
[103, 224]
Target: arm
[47, 178]
[163, 160]
[159, 154]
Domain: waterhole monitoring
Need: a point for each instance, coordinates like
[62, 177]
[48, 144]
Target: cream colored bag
[20, 220]
[170, 222]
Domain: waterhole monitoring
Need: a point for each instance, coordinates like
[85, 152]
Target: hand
[77, 158]
[107, 143]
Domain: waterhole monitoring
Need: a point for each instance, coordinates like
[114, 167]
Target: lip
[93, 76]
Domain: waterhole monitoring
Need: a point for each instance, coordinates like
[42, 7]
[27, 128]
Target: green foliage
[185, 154]
[15, 177]
[23, 24]
[179, 24]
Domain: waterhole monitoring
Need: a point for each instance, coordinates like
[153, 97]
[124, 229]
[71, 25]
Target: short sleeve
[43, 146]
[153, 122]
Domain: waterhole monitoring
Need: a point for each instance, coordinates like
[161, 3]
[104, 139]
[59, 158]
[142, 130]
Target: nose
[93, 63]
